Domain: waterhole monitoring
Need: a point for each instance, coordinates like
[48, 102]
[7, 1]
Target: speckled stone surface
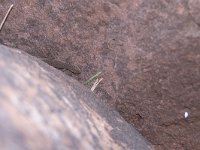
[42, 108]
[148, 52]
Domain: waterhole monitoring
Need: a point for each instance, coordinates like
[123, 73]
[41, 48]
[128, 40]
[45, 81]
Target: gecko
[62, 65]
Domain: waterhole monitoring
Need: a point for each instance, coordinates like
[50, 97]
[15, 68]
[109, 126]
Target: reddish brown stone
[148, 51]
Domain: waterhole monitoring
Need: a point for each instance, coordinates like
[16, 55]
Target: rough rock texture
[41, 108]
[148, 51]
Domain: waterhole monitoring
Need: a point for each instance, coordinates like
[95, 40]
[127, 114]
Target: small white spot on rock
[186, 114]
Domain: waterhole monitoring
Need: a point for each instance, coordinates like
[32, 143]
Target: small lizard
[62, 65]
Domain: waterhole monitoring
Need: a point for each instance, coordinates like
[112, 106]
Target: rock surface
[148, 51]
[41, 108]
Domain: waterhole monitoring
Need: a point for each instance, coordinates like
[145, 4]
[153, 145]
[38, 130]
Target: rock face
[148, 51]
[41, 108]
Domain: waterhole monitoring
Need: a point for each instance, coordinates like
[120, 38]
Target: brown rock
[148, 51]
[194, 9]
[41, 108]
